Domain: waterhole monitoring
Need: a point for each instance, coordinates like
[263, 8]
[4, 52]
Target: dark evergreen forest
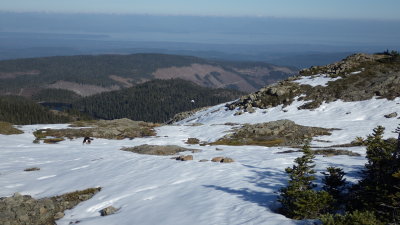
[153, 101]
[18, 110]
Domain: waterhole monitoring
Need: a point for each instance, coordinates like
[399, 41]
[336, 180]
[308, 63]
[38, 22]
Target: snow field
[158, 190]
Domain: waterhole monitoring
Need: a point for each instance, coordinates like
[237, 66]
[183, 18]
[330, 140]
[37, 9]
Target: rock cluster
[158, 149]
[25, 210]
[343, 66]
[222, 159]
[183, 115]
[275, 133]
[361, 78]
[269, 96]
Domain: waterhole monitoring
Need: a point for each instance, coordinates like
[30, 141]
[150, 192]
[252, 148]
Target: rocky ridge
[358, 77]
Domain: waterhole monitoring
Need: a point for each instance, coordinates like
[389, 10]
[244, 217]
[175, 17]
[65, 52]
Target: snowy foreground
[158, 190]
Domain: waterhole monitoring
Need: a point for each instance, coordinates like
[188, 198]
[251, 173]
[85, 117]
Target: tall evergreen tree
[378, 190]
[298, 199]
[334, 183]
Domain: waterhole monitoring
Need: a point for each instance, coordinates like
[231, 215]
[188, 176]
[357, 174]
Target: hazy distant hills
[87, 75]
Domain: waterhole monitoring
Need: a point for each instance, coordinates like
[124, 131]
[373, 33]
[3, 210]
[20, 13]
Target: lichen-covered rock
[274, 133]
[227, 160]
[391, 115]
[217, 159]
[108, 211]
[183, 115]
[221, 159]
[158, 149]
[184, 158]
[25, 210]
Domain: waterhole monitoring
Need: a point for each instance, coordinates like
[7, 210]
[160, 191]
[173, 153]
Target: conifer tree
[378, 190]
[298, 199]
[333, 181]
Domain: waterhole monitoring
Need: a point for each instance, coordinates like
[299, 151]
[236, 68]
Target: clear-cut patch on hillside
[275, 133]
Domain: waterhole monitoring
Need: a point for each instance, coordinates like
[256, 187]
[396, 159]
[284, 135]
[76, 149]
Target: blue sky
[329, 9]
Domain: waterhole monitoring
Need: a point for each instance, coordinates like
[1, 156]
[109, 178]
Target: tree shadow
[269, 179]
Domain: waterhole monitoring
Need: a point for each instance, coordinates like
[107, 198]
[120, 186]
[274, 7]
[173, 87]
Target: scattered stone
[158, 149]
[222, 159]
[218, 149]
[216, 159]
[227, 160]
[238, 113]
[32, 169]
[391, 115]
[192, 141]
[108, 211]
[250, 109]
[203, 160]
[184, 158]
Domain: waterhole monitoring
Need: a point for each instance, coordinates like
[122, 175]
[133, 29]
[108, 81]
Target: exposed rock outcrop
[25, 210]
[158, 149]
[275, 133]
[183, 115]
[358, 77]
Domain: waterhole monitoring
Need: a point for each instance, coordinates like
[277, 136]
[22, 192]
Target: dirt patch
[8, 129]
[158, 149]
[275, 133]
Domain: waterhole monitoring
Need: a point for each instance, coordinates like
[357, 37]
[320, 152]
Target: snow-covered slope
[158, 190]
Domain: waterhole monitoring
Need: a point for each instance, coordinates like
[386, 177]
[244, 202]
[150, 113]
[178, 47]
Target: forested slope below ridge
[153, 101]
[91, 74]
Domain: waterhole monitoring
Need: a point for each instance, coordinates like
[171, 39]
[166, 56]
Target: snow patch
[316, 80]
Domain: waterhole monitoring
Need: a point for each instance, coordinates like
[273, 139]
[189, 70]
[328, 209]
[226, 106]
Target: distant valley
[87, 75]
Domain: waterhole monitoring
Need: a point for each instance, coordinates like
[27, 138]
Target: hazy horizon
[249, 38]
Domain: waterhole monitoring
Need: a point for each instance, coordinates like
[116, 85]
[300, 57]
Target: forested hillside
[18, 110]
[91, 74]
[155, 101]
